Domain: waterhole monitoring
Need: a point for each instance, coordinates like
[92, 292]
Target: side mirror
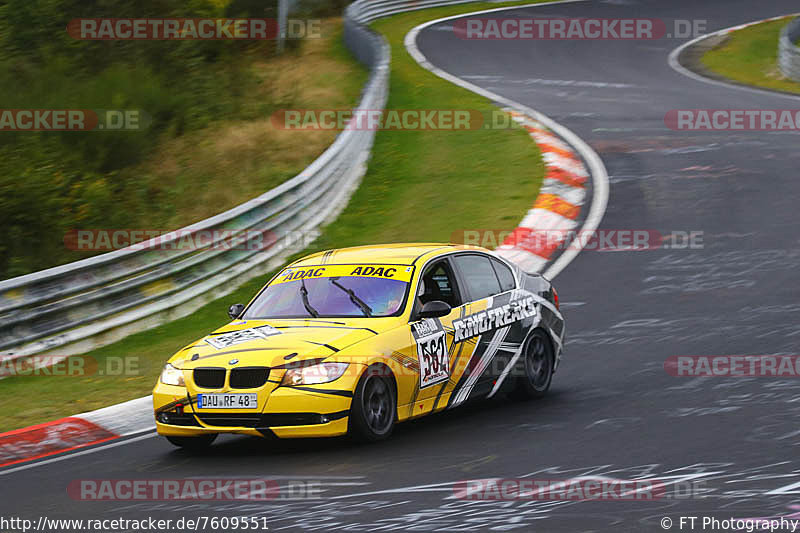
[434, 309]
[235, 311]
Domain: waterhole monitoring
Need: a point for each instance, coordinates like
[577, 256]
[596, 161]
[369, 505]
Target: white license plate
[233, 400]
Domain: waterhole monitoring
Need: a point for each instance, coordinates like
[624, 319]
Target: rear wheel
[536, 368]
[374, 408]
[193, 443]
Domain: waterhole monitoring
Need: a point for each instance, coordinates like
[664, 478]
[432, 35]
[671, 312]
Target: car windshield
[333, 291]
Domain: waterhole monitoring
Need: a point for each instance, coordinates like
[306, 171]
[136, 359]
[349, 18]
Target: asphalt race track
[613, 410]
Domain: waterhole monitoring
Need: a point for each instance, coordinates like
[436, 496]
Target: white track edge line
[672, 60]
[600, 183]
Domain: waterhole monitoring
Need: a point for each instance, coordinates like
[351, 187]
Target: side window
[504, 274]
[438, 283]
[479, 275]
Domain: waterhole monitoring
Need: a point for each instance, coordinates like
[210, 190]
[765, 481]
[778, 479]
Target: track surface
[613, 410]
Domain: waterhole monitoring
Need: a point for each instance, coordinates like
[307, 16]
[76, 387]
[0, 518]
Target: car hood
[275, 342]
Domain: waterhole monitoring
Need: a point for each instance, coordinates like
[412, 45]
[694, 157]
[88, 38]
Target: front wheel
[536, 368]
[374, 408]
[193, 443]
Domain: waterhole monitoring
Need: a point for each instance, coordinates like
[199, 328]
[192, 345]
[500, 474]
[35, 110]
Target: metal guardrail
[788, 51]
[78, 306]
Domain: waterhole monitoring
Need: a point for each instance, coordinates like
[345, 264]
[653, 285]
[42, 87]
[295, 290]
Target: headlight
[172, 376]
[311, 375]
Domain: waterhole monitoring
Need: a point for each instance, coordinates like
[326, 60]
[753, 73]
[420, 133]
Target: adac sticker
[398, 272]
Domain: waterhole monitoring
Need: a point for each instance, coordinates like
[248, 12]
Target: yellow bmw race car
[357, 339]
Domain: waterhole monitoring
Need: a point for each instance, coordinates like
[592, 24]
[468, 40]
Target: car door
[432, 339]
[493, 327]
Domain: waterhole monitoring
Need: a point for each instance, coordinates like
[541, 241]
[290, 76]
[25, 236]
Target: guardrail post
[283, 16]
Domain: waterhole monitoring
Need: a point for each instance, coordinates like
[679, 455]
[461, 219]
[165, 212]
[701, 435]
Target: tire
[193, 443]
[535, 368]
[374, 409]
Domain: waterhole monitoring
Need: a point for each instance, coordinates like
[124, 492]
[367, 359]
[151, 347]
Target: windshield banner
[398, 272]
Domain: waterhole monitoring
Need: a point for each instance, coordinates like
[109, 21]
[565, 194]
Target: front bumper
[289, 412]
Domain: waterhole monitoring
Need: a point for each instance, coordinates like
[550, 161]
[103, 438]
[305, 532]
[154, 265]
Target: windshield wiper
[367, 310]
[304, 295]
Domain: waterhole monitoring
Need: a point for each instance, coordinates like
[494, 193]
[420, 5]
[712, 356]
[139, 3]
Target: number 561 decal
[434, 362]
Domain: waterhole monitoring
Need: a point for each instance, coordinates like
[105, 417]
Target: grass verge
[750, 56]
[169, 175]
[420, 186]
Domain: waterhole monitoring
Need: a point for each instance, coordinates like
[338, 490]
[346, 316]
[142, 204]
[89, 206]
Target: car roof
[396, 254]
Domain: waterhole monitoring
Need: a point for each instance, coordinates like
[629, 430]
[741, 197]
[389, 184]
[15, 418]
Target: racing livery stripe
[507, 340]
[345, 393]
[499, 381]
[477, 354]
[477, 351]
[453, 366]
[476, 372]
[299, 364]
[315, 326]
[406, 361]
[228, 352]
[326, 345]
[414, 396]
[189, 400]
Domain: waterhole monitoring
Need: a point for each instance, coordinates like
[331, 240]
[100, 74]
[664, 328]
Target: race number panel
[434, 362]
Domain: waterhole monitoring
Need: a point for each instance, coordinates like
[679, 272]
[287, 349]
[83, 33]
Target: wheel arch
[547, 335]
[382, 369]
